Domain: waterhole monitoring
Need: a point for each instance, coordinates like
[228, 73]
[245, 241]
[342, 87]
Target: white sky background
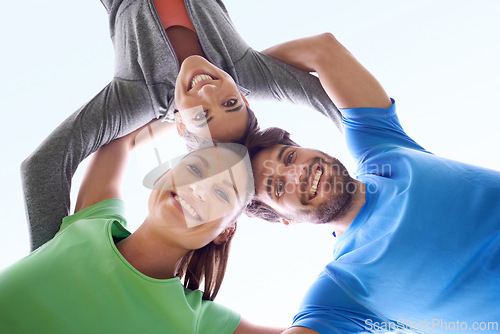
[438, 59]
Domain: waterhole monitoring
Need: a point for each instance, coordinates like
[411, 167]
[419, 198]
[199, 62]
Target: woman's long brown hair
[207, 263]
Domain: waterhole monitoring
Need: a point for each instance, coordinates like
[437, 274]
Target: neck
[341, 224]
[147, 252]
[184, 42]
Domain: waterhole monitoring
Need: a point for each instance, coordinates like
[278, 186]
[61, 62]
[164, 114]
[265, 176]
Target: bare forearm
[106, 170]
[344, 79]
[297, 53]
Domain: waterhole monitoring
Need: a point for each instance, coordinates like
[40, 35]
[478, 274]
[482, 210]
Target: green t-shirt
[80, 283]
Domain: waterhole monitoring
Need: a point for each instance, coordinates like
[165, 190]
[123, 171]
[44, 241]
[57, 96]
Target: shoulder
[111, 208]
[328, 308]
[211, 317]
[367, 128]
[353, 116]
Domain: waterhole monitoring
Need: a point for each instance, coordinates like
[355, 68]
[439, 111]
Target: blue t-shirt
[423, 252]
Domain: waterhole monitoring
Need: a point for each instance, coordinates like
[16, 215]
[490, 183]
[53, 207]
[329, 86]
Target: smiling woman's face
[200, 196]
[209, 102]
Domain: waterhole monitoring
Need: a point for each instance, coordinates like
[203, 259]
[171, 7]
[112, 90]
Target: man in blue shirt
[418, 243]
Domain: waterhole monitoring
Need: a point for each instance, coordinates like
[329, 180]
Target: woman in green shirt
[95, 276]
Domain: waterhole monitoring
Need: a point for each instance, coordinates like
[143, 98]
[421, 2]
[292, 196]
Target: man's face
[302, 184]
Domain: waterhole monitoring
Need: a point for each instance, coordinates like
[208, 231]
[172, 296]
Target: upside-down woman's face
[197, 200]
[209, 102]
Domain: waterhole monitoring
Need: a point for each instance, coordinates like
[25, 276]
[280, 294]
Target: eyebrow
[203, 160]
[235, 109]
[205, 123]
[233, 185]
[270, 179]
[268, 186]
[212, 117]
[228, 184]
[282, 150]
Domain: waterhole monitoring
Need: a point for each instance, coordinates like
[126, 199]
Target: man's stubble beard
[341, 198]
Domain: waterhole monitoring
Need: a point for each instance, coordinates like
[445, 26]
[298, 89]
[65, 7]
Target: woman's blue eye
[222, 195]
[289, 158]
[279, 188]
[201, 116]
[195, 170]
[230, 103]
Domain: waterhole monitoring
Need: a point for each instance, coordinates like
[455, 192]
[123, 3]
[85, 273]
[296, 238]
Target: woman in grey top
[146, 68]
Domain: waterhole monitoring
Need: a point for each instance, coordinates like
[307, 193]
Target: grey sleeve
[46, 174]
[264, 76]
[269, 78]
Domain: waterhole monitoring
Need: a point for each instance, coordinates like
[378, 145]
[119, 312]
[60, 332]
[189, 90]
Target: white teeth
[199, 77]
[314, 186]
[185, 205]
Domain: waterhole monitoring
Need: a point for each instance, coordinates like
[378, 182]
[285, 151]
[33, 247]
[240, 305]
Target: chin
[195, 58]
[334, 209]
[194, 63]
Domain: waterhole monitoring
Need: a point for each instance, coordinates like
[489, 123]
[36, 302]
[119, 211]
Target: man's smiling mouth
[313, 190]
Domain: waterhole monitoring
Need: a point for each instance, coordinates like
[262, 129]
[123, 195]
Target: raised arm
[117, 110]
[104, 174]
[272, 79]
[344, 79]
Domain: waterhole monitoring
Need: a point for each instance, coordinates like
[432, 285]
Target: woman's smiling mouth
[201, 78]
[187, 207]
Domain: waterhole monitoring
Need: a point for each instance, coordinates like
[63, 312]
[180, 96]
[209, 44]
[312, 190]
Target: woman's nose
[207, 92]
[200, 189]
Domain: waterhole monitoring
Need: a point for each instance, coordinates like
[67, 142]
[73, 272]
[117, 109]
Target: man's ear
[224, 235]
[181, 127]
[287, 222]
